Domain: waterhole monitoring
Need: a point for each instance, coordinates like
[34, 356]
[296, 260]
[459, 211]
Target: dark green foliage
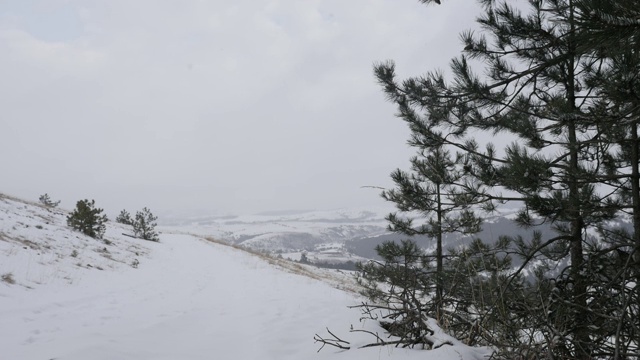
[477, 297]
[144, 225]
[398, 287]
[124, 218]
[401, 268]
[46, 201]
[348, 265]
[560, 78]
[439, 189]
[609, 25]
[88, 219]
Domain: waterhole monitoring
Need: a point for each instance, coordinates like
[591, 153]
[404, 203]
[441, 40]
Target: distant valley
[335, 236]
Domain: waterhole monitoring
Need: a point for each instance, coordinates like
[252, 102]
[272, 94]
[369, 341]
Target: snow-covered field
[65, 296]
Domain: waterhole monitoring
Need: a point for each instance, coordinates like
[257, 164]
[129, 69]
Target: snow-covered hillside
[38, 248]
[65, 297]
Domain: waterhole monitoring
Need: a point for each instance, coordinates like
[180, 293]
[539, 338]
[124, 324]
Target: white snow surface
[188, 298]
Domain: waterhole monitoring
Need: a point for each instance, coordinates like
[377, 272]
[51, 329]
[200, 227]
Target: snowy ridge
[188, 298]
[286, 232]
[349, 215]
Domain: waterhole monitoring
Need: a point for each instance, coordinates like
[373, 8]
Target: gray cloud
[235, 106]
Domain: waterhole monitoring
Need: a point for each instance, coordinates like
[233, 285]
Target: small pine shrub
[124, 218]
[46, 201]
[88, 219]
[144, 225]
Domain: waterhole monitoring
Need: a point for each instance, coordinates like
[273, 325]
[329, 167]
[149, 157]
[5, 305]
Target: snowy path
[191, 300]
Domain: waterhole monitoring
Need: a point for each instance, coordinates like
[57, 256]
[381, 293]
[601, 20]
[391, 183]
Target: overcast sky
[231, 106]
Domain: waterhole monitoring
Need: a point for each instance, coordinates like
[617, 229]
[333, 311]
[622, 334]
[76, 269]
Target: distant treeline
[349, 265]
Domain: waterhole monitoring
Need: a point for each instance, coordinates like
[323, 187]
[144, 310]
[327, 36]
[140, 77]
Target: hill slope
[188, 299]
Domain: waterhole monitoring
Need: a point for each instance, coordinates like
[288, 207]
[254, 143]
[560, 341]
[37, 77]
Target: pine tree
[399, 286]
[437, 189]
[611, 30]
[88, 219]
[46, 201]
[481, 304]
[612, 33]
[124, 218]
[144, 225]
[538, 88]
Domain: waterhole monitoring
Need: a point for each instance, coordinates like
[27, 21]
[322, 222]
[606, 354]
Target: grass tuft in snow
[8, 278]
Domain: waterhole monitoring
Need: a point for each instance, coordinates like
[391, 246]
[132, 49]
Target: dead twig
[336, 341]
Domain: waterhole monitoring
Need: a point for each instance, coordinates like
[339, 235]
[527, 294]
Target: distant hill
[343, 235]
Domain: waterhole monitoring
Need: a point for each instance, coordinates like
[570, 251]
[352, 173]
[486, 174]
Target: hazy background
[230, 106]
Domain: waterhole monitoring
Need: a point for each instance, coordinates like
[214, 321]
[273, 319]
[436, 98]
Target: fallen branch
[336, 341]
[396, 343]
[378, 338]
[446, 342]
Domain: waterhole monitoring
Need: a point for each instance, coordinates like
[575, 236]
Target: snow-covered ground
[65, 297]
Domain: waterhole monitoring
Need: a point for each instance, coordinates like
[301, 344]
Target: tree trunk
[581, 340]
[635, 196]
[439, 275]
[635, 185]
